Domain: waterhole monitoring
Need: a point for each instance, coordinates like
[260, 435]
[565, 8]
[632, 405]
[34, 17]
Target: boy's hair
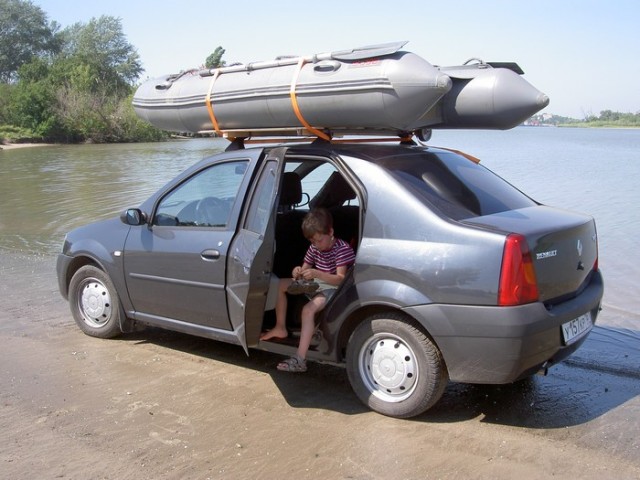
[318, 220]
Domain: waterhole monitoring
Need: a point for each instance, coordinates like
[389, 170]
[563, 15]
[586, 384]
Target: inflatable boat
[372, 90]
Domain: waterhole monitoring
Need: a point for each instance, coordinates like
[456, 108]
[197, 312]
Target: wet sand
[163, 405]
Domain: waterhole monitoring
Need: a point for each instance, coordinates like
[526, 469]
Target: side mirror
[134, 217]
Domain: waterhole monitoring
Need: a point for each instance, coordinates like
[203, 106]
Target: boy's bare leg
[308, 323]
[280, 329]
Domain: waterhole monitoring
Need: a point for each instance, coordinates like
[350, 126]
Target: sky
[582, 53]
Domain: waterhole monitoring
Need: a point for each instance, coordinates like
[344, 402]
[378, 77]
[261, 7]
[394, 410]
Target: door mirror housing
[133, 217]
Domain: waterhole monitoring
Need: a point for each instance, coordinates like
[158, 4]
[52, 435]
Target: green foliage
[607, 118]
[109, 61]
[215, 59]
[25, 33]
[83, 93]
[32, 102]
[610, 118]
[5, 98]
[13, 134]
[103, 119]
[132, 128]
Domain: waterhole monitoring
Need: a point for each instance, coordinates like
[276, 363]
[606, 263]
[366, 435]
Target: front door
[176, 266]
[251, 253]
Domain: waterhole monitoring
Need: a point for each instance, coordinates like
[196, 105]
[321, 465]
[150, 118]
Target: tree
[25, 33]
[215, 59]
[32, 103]
[82, 92]
[113, 62]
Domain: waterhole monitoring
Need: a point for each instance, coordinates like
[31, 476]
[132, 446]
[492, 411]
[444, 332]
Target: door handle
[210, 254]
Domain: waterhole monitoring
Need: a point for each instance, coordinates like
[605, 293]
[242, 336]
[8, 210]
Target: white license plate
[575, 328]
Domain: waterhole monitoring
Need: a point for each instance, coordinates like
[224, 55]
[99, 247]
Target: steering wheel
[211, 211]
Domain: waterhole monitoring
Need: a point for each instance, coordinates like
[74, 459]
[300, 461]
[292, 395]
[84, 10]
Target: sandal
[294, 364]
[300, 287]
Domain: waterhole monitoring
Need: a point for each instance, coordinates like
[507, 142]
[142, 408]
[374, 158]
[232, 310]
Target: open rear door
[250, 261]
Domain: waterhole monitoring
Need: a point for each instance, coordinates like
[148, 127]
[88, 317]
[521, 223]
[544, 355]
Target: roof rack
[238, 140]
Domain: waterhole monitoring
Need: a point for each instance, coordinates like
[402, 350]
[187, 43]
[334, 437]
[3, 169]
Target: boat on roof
[373, 90]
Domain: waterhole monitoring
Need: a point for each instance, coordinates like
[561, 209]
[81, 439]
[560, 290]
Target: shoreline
[15, 146]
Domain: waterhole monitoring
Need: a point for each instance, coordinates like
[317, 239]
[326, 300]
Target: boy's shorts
[325, 289]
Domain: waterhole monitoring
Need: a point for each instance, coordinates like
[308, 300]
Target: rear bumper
[494, 345]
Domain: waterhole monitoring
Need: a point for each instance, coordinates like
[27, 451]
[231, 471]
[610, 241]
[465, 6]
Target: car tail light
[595, 264]
[518, 283]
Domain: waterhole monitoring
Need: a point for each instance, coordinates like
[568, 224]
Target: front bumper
[62, 267]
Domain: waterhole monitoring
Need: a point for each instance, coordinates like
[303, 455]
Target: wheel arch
[75, 264]
[402, 378]
[383, 296]
[79, 261]
[359, 315]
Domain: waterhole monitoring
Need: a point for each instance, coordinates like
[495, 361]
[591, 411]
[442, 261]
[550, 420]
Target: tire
[94, 303]
[394, 368]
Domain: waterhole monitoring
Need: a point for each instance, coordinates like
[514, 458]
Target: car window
[262, 201]
[316, 177]
[458, 187]
[205, 199]
[312, 183]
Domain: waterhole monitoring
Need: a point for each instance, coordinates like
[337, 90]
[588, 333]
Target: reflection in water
[46, 191]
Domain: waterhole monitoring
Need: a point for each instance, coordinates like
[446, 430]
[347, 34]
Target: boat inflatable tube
[369, 90]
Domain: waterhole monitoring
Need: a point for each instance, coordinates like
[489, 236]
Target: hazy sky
[582, 53]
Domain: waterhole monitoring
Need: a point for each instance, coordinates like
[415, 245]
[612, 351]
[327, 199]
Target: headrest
[291, 189]
[334, 193]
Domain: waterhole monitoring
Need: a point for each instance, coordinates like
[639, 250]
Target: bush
[13, 134]
[134, 129]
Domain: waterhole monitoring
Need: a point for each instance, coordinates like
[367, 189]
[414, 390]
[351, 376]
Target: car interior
[307, 185]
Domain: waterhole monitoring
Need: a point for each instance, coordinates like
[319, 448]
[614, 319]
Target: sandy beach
[14, 146]
[162, 405]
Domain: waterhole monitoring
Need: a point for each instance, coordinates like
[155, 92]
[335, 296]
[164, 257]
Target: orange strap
[296, 108]
[207, 100]
[292, 94]
[465, 155]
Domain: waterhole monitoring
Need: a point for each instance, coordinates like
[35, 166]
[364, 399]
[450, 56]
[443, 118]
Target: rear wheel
[94, 303]
[393, 367]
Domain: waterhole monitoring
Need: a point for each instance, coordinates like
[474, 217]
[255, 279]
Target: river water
[46, 191]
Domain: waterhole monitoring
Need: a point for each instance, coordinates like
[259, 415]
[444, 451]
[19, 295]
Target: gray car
[458, 275]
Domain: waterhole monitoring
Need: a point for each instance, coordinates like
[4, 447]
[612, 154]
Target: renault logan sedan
[458, 275]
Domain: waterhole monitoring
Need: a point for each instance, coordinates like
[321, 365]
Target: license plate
[574, 329]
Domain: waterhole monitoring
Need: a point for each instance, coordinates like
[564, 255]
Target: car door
[175, 267]
[251, 252]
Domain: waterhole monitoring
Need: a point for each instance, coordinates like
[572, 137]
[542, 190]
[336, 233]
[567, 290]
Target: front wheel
[394, 368]
[94, 303]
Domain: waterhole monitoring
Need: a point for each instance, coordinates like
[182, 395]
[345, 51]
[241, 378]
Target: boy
[326, 262]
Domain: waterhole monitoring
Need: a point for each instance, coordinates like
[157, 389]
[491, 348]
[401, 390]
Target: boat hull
[368, 91]
[389, 93]
[487, 98]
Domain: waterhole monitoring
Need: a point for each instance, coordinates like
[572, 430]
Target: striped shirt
[339, 255]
